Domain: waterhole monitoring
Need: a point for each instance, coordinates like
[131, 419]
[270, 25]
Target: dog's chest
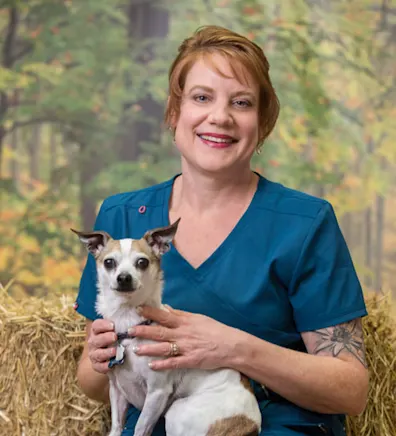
[131, 376]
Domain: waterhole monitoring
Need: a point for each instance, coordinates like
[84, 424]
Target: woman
[260, 273]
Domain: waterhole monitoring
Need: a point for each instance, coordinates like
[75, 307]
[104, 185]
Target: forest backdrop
[83, 86]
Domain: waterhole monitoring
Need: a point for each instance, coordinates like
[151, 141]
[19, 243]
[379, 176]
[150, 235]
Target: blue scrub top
[284, 269]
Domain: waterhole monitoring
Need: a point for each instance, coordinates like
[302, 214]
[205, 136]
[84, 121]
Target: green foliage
[331, 63]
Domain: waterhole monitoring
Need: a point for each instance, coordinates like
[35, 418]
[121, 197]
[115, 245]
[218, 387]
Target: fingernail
[111, 326]
[135, 349]
[151, 365]
[139, 310]
[131, 331]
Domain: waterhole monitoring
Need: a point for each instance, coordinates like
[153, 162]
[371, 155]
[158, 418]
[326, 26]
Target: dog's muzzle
[125, 283]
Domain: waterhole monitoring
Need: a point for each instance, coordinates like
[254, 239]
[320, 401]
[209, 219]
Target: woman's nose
[220, 114]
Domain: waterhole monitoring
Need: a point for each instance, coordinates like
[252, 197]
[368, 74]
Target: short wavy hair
[244, 57]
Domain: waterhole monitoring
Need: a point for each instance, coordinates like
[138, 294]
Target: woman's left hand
[202, 341]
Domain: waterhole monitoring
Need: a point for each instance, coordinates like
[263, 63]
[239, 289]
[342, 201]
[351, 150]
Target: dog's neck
[121, 311]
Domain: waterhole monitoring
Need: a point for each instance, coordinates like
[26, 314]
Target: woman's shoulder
[281, 199]
[146, 197]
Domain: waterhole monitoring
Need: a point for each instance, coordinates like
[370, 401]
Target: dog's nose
[124, 279]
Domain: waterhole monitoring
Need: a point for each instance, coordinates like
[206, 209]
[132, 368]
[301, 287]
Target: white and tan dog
[195, 402]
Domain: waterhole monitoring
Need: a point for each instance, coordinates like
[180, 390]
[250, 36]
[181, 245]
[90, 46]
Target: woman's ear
[172, 119]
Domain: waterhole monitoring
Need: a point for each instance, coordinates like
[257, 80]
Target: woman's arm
[332, 378]
[322, 381]
[93, 383]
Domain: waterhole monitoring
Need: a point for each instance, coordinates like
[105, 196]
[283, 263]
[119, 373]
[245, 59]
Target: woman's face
[217, 129]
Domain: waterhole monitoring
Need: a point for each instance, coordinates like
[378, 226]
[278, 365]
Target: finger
[102, 368]
[102, 326]
[171, 363]
[177, 311]
[156, 333]
[103, 355]
[157, 350]
[102, 340]
[161, 316]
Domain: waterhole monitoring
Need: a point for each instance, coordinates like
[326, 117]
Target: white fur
[192, 400]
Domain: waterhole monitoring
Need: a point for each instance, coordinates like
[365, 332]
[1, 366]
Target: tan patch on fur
[246, 383]
[238, 425]
[111, 246]
[141, 246]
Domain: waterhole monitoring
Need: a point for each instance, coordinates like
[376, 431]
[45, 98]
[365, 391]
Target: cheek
[190, 116]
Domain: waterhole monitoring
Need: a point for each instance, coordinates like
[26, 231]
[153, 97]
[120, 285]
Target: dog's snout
[124, 279]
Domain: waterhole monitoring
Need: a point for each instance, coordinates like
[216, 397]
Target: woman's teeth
[213, 139]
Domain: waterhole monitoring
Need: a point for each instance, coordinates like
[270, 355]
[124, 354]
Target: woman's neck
[204, 194]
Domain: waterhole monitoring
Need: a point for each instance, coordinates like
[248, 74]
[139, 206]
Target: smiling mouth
[217, 140]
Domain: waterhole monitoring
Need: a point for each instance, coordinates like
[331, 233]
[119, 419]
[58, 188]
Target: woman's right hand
[101, 345]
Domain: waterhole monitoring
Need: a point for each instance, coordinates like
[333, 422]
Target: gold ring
[174, 349]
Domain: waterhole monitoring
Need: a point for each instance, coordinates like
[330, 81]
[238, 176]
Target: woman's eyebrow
[202, 88]
[234, 94]
[245, 93]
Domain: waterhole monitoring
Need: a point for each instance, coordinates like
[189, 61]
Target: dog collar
[119, 358]
[124, 335]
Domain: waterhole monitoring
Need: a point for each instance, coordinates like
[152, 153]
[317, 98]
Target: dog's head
[129, 267]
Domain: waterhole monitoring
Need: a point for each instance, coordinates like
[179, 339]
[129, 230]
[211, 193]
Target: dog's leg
[119, 406]
[154, 406]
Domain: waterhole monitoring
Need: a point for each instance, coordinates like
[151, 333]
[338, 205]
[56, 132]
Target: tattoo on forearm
[343, 337]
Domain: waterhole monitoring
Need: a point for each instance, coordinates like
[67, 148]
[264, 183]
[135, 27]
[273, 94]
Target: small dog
[195, 402]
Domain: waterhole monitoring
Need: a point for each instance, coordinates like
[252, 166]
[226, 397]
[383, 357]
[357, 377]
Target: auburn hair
[245, 59]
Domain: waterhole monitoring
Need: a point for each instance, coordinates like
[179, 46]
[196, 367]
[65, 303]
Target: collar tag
[120, 353]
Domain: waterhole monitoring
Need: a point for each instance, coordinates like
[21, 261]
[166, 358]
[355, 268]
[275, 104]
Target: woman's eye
[201, 98]
[242, 103]
[142, 263]
[110, 263]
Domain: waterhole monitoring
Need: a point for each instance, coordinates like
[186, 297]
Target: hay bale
[40, 346]
[41, 342]
[379, 418]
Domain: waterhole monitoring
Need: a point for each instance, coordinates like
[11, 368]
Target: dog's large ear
[93, 241]
[160, 239]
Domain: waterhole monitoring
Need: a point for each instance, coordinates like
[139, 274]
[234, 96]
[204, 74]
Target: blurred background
[83, 86]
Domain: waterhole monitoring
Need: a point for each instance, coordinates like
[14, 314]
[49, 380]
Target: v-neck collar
[225, 245]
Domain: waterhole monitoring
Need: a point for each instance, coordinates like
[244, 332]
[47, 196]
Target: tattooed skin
[342, 337]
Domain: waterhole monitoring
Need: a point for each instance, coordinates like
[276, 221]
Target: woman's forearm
[322, 384]
[92, 383]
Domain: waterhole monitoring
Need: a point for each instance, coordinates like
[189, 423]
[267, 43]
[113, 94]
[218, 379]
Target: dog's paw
[115, 432]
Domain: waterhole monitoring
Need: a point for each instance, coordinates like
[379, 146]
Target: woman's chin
[215, 165]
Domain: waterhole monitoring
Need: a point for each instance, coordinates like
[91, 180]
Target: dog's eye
[142, 263]
[110, 263]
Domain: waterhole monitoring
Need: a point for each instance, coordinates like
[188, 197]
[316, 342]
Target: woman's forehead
[219, 65]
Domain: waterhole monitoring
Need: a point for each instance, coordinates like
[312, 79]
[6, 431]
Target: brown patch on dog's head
[159, 239]
[246, 383]
[142, 246]
[238, 425]
[95, 242]
[111, 246]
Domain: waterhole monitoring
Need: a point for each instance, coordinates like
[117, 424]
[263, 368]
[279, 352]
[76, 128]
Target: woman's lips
[217, 140]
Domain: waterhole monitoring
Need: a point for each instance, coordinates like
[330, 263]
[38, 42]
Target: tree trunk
[2, 136]
[369, 233]
[53, 157]
[379, 242]
[89, 162]
[34, 153]
[145, 20]
[14, 166]
[7, 62]
[368, 246]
